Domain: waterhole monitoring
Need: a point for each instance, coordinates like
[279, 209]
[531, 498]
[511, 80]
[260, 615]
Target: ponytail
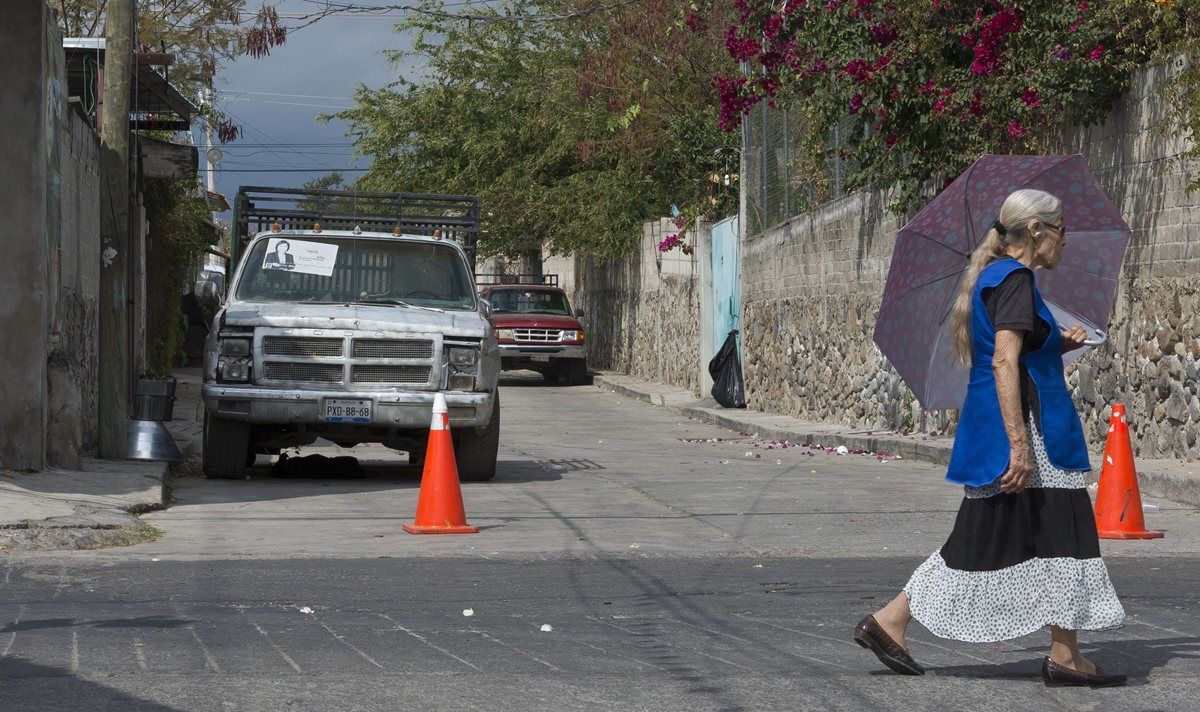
[991, 249]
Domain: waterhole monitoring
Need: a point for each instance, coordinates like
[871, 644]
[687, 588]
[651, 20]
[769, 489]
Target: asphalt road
[627, 560]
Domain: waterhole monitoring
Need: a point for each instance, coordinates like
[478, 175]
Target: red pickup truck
[537, 330]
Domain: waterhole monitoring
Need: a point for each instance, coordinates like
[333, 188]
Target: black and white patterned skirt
[1015, 563]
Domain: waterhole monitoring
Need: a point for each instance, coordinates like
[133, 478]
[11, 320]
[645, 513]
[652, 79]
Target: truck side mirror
[578, 312]
[485, 307]
[207, 294]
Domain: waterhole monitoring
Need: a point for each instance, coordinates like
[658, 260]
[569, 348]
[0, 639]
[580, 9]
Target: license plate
[343, 410]
[543, 358]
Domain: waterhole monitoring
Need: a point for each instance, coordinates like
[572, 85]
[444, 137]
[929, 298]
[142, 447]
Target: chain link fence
[781, 179]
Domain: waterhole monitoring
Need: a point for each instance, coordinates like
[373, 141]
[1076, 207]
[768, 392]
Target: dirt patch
[38, 538]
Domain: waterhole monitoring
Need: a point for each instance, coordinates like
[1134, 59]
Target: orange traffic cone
[1118, 503]
[440, 505]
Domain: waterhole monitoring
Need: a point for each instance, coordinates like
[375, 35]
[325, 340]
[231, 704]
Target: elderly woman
[1023, 553]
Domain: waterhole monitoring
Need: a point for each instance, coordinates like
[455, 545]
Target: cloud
[277, 98]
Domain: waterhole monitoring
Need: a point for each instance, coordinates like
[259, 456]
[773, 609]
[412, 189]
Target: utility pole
[114, 232]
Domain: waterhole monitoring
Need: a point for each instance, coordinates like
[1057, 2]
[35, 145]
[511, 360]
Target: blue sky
[276, 98]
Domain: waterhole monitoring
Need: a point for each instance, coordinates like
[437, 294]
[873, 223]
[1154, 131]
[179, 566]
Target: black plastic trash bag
[726, 371]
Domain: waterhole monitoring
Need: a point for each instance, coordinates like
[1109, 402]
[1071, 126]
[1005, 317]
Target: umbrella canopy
[933, 249]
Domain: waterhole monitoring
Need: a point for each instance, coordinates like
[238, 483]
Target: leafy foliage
[927, 85]
[179, 234]
[567, 130]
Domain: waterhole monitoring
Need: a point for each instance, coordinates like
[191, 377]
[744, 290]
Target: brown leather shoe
[870, 635]
[1055, 675]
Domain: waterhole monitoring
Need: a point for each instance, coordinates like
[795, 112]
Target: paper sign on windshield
[300, 256]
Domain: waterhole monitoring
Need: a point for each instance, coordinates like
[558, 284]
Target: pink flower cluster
[991, 36]
[742, 49]
[884, 34]
[672, 241]
[862, 71]
[733, 104]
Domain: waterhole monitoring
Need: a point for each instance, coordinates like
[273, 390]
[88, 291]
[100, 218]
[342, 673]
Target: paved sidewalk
[1175, 480]
[187, 424]
[95, 506]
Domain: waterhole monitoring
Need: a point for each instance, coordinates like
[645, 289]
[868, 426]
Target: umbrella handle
[1101, 337]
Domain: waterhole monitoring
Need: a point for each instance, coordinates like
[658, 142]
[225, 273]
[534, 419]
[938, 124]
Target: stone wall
[74, 330]
[811, 290]
[641, 312]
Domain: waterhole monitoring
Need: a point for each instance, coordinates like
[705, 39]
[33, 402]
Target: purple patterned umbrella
[913, 328]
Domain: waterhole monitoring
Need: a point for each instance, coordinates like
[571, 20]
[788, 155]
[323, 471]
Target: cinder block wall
[811, 289]
[641, 317]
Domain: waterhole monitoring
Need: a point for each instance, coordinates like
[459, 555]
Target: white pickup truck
[346, 335]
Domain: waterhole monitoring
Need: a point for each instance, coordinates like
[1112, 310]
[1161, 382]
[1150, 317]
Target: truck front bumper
[531, 356]
[414, 409]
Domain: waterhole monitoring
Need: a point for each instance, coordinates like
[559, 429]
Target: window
[364, 269]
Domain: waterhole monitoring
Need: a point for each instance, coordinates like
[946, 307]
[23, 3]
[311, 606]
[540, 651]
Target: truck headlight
[505, 334]
[235, 371]
[235, 347]
[463, 358]
[576, 335]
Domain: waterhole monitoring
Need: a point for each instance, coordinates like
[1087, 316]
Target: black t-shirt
[1010, 305]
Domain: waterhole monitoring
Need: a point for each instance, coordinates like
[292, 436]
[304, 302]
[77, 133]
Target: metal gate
[726, 296]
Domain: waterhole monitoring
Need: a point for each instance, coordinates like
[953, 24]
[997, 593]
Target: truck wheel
[576, 372]
[226, 448]
[475, 449]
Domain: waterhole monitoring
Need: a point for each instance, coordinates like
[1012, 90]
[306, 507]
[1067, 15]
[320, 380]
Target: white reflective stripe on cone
[441, 417]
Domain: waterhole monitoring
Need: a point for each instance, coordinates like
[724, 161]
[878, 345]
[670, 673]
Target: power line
[290, 96]
[281, 157]
[287, 103]
[286, 170]
[331, 8]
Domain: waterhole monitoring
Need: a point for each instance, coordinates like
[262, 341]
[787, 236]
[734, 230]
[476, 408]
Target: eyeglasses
[1060, 228]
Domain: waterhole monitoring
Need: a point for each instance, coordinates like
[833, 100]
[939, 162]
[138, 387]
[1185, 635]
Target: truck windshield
[338, 270]
[516, 301]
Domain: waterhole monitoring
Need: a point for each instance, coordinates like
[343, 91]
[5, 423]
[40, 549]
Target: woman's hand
[1020, 469]
[1073, 338]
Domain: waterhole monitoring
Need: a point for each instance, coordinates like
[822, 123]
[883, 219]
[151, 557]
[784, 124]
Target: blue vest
[981, 446]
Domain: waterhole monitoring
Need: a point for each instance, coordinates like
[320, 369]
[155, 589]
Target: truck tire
[575, 372]
[226, 448]
[475, 450]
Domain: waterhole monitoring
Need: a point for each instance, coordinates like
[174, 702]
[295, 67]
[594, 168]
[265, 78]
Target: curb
[773, 427]
[1160, 479]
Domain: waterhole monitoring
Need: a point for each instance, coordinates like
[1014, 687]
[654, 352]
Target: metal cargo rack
[256, 209]
[489, 280]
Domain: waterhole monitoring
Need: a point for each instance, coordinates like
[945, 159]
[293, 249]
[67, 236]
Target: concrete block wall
[811, 290]
[641, 312]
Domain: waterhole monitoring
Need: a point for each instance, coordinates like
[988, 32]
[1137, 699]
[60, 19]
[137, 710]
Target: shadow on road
[44, 687]
[162, 622]
[381, 476]
[532, 379]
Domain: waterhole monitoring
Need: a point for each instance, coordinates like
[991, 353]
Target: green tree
[539, 108]
[201, 34]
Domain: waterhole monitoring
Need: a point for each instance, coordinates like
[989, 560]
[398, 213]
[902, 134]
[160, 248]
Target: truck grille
[356, 360]
[391, 374]
[303, 372]
[393, 348]
[538, 335]
[301, 346]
